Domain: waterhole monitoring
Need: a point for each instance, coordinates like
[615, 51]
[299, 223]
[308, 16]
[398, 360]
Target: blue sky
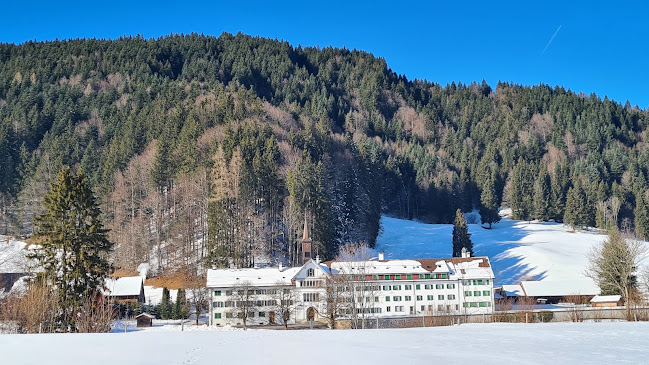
[600, 47]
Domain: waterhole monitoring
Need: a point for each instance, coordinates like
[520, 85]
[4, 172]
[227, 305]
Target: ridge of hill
[212, 151]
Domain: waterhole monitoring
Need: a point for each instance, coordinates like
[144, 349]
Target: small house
[125, 289]
[607, 301]
[144, 320]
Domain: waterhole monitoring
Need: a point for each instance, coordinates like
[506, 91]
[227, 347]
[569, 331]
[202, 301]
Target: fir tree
[180, 310]
[641, 219]
[542, 196]
[576, 215]
[488, 204]
[461, 236]
[74, 245]
[164, 309]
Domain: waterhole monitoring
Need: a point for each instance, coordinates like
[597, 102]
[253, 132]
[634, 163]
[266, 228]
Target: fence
[567, 314]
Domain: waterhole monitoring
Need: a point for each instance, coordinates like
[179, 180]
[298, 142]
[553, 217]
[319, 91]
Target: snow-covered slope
[12, 255]
[493, 343]
[517, 250]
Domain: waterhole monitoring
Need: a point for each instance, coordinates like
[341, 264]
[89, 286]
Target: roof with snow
[267, 276]
[514, 290]
[559, 288]
[145, 314]
[606, 299]
[456, 268]
[125, 286]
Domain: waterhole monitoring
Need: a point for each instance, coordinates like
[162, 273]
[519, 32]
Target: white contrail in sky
[551, 39]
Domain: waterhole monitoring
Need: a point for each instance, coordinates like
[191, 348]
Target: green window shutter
[386, 277]
[417, 286]
[409, 277]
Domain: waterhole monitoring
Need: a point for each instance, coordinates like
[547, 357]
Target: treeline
[214, 150]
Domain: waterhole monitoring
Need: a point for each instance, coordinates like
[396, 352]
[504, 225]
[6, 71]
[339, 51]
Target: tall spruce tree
[542, 196]
[74, 245]
[488, 201]
[641, 217]
[461, 235]
[576, 215]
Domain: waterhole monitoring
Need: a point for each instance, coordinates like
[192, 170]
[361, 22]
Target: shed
[607, 301]
[144, 320]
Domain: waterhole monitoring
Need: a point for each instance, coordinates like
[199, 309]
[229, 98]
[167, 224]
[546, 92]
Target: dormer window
[310, 273]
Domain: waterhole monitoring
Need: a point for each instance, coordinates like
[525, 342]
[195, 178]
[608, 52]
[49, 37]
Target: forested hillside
[212, 150]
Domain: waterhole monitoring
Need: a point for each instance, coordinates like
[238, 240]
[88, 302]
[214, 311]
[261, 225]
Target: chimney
[465, 254]
[317, 260]
[281, 266]
[381, 256]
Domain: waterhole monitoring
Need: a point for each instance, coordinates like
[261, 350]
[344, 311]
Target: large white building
[371, 288]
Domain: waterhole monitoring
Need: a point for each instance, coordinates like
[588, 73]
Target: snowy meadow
[493, 343]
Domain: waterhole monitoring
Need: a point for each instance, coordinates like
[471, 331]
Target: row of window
[418, 287]
[477, 304]
[407, 298]
[477, 293]
[311, 283]
[218, 293]
[476, 282]
[239, 315]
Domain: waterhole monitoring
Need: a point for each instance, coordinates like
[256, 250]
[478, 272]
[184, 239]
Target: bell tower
[306, 243]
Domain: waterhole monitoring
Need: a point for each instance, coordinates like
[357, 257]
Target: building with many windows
[369, 288]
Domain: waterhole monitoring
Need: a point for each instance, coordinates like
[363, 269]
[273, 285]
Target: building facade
[368, 288]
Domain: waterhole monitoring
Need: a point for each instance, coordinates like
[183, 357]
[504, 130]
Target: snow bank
[493, 343]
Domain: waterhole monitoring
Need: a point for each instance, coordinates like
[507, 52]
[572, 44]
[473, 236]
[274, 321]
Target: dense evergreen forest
[215, 150]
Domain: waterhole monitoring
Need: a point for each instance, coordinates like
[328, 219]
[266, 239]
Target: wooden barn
[125, 289]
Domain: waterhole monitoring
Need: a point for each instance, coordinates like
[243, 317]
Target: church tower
[306, 243]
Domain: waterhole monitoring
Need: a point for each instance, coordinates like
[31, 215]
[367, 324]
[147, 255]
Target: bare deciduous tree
[353, 261]
[243, 298]
[285, 299]
[199, 300]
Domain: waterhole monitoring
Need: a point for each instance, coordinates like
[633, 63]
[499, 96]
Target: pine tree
[542, 196]
[558, 186]
[488, 204]
[461, 236]
[74, 244]
[641, 219]
[576, 215]
[179, 310]
[164, 309]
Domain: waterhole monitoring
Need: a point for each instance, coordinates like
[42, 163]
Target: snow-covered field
[517, 249]
[494, 343]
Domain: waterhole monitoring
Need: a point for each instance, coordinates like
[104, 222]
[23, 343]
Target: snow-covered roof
[145, 314]
[514, 290]
[370, 267]
[126, 286]
[267, 276]
[462, 268]
[606, 299]
[560, 288]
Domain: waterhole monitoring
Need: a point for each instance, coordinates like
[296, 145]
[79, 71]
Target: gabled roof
[267, 276]
[606, 299]
[513, 290]
[560, 288]
[145, 315]
[311, 263]
[125, 286]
